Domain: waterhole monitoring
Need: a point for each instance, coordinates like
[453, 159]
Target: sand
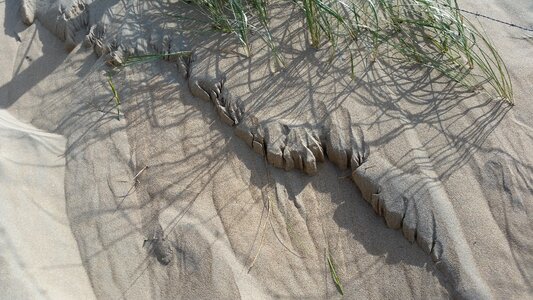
[222, 179]
[40, 257]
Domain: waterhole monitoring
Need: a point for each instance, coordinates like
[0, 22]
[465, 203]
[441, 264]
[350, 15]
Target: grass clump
[435, 34]
[432, 33]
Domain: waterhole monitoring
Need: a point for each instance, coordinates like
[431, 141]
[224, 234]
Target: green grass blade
[116, 97]
[333, 272]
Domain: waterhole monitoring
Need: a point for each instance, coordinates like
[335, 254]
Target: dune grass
[333, 273]
[115, 96]
[133, 60]
[139, 59]
[432, 33]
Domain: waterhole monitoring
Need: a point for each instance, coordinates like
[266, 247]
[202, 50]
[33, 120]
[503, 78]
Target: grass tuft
[432, 33]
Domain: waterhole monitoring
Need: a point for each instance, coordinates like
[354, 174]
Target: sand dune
[220, 179]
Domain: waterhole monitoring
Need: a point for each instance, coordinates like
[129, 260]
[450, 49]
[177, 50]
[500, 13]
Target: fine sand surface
[39, 255]
[211, 188]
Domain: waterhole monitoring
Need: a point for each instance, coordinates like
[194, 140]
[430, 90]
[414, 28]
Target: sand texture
[222, 177]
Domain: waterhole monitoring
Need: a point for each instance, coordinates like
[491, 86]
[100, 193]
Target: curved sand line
[406, 201]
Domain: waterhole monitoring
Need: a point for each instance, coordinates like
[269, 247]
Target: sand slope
[210, 217]
[40, 257]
